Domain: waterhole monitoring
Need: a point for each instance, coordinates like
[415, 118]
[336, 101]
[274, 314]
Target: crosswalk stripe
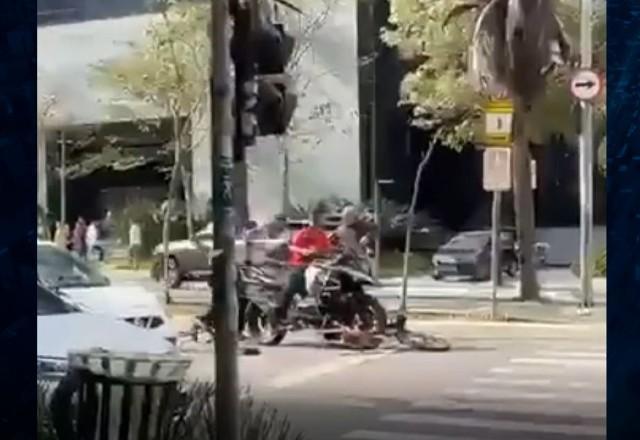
[559, 409]
[494, 424]
[572, 354]
[387, 435]
[503, 394]
[597, 363]
[518, 395]
[516, 382]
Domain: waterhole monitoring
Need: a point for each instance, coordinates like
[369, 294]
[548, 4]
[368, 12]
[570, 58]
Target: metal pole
[376, 190]
[495, 252]
[586, 162]
[374, 146]
[225, 302]
[63, 178]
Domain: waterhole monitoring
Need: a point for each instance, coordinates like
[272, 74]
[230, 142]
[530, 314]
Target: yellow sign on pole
[498, 123]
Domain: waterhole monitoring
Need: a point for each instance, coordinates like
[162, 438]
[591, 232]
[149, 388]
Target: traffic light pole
[225, 302]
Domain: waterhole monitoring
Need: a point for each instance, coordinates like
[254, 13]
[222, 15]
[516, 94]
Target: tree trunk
[409, 227]
[173, 186]
[188, 199]
[166, 223]
[523, 204]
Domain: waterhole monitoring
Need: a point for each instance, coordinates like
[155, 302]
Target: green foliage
[194, 417]
[44, 425]
[600, 266]
[170, 69]
[602, 156]
[438, 85]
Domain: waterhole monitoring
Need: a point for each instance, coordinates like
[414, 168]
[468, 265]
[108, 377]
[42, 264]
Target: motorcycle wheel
[261, 327]
[374, 317]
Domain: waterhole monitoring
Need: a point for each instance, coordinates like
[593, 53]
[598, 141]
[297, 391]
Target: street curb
[483, 315]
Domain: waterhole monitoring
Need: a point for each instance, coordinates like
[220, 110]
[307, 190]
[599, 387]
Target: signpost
[498, 123]
[497, 178]
[586, 85]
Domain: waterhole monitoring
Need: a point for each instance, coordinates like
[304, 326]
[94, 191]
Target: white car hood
[118, 301]
[58, 334]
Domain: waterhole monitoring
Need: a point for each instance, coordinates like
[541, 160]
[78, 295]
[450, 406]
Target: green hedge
[194, 417]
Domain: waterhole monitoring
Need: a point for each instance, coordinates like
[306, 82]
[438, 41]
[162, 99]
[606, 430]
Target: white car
[82, 285]
[63, 327]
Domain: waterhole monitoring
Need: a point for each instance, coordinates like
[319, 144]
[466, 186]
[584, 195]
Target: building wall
[323, 144]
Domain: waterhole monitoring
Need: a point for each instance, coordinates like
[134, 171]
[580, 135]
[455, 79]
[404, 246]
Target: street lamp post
[586, 160]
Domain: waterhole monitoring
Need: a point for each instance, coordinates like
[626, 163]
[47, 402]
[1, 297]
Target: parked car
[468, 254]
[427, 233]
[190, 260]
[63, 327]
[82, 285]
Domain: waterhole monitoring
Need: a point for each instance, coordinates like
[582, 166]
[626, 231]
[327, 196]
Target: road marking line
[386, 435]
[587, 386]
[515, 395]
[497, 424]
[560, 409]
[516, 382]
[572, 354]
[598, 363]
[491, 393]
[304, 375]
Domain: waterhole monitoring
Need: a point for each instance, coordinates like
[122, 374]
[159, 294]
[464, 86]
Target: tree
[301, 131]
[169, 70]
[459, 59]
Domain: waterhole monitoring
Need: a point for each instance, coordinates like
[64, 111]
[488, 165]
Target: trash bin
[116, 396]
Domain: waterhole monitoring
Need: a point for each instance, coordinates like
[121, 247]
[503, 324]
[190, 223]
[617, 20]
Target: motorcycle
[336, 300]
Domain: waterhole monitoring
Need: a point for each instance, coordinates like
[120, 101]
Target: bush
[599, 265]
[194, 417]
[600, 269]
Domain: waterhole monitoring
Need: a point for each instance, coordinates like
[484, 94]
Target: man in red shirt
[306, 244]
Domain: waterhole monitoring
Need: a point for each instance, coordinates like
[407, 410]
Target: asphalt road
[500, 381]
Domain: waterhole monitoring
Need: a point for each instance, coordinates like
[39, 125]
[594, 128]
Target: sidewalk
[510, 311]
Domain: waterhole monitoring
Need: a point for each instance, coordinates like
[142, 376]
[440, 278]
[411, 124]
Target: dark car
[468, 254]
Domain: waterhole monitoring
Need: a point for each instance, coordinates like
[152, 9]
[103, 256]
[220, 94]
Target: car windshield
[59, 268]
[468, 242]
[50, 304]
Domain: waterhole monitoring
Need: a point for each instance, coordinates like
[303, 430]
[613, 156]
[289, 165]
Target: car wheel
[437, 276]
[174, 277]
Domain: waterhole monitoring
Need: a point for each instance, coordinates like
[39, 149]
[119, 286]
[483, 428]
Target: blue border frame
[623, 234]
[18, 219]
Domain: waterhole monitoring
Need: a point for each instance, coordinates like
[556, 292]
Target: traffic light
[276, 103]
[276, 96]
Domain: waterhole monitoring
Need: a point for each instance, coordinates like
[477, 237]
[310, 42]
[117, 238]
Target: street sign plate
[498, 122]
[497, 169]
[586, 85]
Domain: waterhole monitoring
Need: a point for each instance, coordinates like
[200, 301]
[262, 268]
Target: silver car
[190, 260]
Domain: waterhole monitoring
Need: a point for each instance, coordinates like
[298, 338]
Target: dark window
[50, 304]
[59, 268]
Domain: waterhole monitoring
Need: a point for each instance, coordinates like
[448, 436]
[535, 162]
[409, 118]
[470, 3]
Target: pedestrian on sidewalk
[135, 244]
[79, 240]
[61, 235]
[93, 234]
